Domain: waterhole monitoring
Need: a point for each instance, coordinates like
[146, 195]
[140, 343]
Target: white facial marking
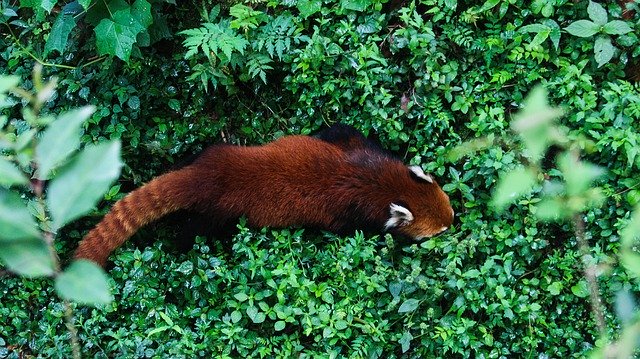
[398, 215]
[417, 170]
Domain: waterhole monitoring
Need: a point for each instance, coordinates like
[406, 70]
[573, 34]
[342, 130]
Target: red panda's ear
[418, 172]
[398, 216]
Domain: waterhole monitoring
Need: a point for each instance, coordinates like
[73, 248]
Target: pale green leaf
[583, 28]
[16, 223]
[405, 341]
[60, 139]
[409, 305]
[308, 7]
[356, 5]
[513, 185]
[578, 174]
[78, 186]
[30, 258]
[603, 49]
[84, 282]
[10, 174]
[85, 3]
[597, 13]
[279, 325]
[8, 82]
[617, 27]
[581, 289]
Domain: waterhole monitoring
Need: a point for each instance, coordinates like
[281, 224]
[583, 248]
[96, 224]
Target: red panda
[337, 181]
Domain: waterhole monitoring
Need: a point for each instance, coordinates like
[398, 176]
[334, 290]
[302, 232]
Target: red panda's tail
[163, 195]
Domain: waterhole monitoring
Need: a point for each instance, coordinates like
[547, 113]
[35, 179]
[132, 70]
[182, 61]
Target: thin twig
[590, 275]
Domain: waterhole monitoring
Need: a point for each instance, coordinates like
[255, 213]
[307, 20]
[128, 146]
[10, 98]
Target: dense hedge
[421, 77]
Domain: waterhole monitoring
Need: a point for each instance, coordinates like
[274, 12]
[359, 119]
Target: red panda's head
[422, 210]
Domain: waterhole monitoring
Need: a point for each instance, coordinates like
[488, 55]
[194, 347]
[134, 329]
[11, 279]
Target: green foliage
[421, 77]
[603, 47]
[39, 146]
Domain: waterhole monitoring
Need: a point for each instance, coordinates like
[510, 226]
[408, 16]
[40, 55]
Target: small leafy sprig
[600, 26]
[39, 149]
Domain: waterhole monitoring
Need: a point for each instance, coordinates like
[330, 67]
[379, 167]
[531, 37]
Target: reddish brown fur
[293, 181]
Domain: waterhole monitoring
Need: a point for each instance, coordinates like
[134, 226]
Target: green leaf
[80, 185]
[534, 28]
[279, 325]
[597, 13]
[578, 174]
[555, 288]
[8, 82]
[355, 5]
[603, 49]
[308, 7]
[550, 209]
[409, 305]
[85, 3]
[617, 27]
[533, 122]
[405, 341]
[116, 35]
[60, 139]
[10, 174]
[581, 289]
[512, 186]
[16, 223]
[236, 316]
[84, 282]
[631, 262]
[583, 28]
[30, 258]
[141, 13]
[60, 31]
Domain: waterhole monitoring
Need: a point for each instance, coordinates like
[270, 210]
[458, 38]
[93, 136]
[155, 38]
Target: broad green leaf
[617, 27]
[408, 305]
[550, 209]
[60, 139]
[85, 3]
[555, 33]
[84, 282]
[8, 82]
[583, 28]
[10, 174]
[116, 35]
[631, 262]
[279, 325]
[597, 13]
[555, 288]
[512, 185]
[578, 174]
[488, 5]
[141, 13]
[405, 341]
[534, 28]
[632, 231]
[308, 7]
[16, 223]
[60, 31]
[625, 306]
[356, 5]
[603, 50]
[78, 186]
[533, 122]
[30, 258]
[581, 289]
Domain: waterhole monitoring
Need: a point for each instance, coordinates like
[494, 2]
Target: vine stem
[590, 274]
[37, 187]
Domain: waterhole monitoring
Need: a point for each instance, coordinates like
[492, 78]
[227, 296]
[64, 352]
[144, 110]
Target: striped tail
[161, 196]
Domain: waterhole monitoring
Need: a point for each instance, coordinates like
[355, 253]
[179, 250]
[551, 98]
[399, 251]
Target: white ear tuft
[398, 216]
[417, 170]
